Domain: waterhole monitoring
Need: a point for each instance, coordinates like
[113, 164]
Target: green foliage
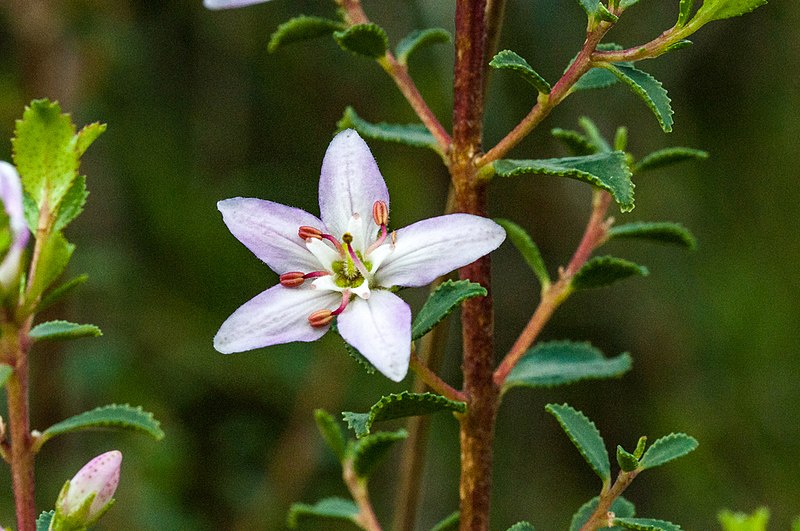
[506, 59]
[593, 134]
[419, 38]
[649, 89]
[302, 28]
[446, 298]
[528, 249]
[607, 171]
[5, 373]
[646, 524]
[400, 405]
[795, 524]
[332, 432]
[43, 522]
[620, 507]
[111, 416]
[722, 9]
[577, 143]
[597, 11]
[53, 259]
[450, 523]
[640, 445]
[666, 157]
[564, 362]
[368, 451]
[72, 204]
[323, 510]
[597, 78]
[59, 330]
[602, 271]
[415, 135]
[621, 139]
[757, 521]
[679, 45]
[369, 40]
[660, 232]
[684, 11]
[585, 436]
[666, 449]
[625, 4]
[522, 526]
[626, 460]
[62, 291]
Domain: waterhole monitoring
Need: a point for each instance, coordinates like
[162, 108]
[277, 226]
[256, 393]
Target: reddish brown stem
[357, 486]
[432, 379]
[600, 516]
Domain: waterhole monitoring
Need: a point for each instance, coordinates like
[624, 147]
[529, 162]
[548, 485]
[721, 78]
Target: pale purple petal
[228, 4]
[269, 230]
[350, 183]
[380, 329]
[100, 477]
[278, 315]
[11, 196]
[432, 247]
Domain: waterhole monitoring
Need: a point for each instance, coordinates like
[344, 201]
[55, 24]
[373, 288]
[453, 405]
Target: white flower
[11, 197]
[88, 495]
[229, 4]
[345, 264]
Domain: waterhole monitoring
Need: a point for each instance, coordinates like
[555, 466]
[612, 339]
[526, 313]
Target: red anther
[292, 279]
[320, 318]
[380, 213]
[305, 232]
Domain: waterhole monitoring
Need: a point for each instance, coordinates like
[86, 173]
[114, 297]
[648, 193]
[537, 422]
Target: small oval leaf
[332, 432]
[648, 89]
[576, 143]
[506, 59]
[419, 38]
[323, 510]
[446, 298]
[667, 448]
[585, 436]
[602, 271]
[400, 405]
[659, 232]
[646, 524]
[302, 28]
[415, 135]
[368, 451]
[104, 417]
[60, 330]
[668, 156]
[626, 460]
[369, 40]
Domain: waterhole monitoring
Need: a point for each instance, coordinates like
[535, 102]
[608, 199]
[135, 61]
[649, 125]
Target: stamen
[343, 305]
[324, 316]
[305, 232]
[394, 238]
[380, 213]
[316, 274]
[335, 243]
[377, 243]
[292, 279]
[356, 260]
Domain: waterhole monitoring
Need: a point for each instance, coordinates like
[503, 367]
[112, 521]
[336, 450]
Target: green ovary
[346, 274]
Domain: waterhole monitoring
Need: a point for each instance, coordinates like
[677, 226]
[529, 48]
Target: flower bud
[88, 495]
[13, 228]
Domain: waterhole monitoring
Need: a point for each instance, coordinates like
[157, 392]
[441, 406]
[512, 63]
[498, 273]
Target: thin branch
[433, 380]
[600, 517]
[366, 518]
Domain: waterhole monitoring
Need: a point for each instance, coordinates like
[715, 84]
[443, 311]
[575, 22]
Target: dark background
[198, 111]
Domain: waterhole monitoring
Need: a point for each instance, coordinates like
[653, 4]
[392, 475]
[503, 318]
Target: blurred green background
[198, 111]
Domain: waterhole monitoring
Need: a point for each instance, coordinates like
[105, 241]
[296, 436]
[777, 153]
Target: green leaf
[59, 330]
[597, 11]
[111, 416]
[593, 134]
[87, 135]
[738, 521]
[60, 292]
[326, 509]
[666, 449]
[795, 524]
[72, 204]
[450, 523]
[302, 28]
[368, 451]
[649, 89]
[506, 59]
[597, 78]
[679, 45]
[54, 258]
[608, 171]
[5, 373]
[43, 522]
[604, 270]
[626, 460]
[722, 9]
[660, 232]
[585, 436]
[576, 143]
[527, 248]
[621, 138]
[668, 156]
[369, 40]
[646, 524]
[620, 507]
[625, 4]
[332, 432]
[446, 298]
[415, 135]
[400, 405]
[419, 38]
[684, 12]
[564, 362]
[522, 526]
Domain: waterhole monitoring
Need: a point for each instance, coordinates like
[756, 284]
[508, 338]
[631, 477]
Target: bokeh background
[198, 111]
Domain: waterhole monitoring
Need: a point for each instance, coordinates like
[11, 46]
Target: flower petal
[350, 183]
[380, 329]
[277, 315]
[432, 247]
[11, 196]
[269, 230]
[227, 4]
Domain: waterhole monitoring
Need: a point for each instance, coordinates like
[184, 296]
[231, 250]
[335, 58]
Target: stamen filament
[358, 263]
[294, 279]
[377, 243]
[335, 243]
[324, 316]
[343, 305]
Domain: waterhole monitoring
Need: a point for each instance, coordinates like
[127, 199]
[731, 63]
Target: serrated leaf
[593, 134]
[59, 330]
[5, 373]
[326, 509]
[446, 298]
[667, 448]
[53, 259]
[646, 524]
[620, 506]
[368, 451]
[527, 248]
[576, 143]
[43, 522]
[60, 292]
[626, 460]
[739, 521]
[72, 204]
[649, 89]
[597, 11]
[450, 523]
[302, 28]
[331, 431]
[605, 270]
[684, 11]
[415, 135]
[656, 231]
[585, 436]
[418, 38]
[608, 171]
[87, 135]
[722, 9]
[369, 40]
[564, 362]
[400, 405]
[522, 526]
[596, 78]
[111, 416]
[668, 156]
[506, 59]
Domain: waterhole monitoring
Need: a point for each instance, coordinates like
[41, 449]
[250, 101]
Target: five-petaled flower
[345, 264]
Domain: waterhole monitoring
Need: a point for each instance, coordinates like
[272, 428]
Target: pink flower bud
[98, 478]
